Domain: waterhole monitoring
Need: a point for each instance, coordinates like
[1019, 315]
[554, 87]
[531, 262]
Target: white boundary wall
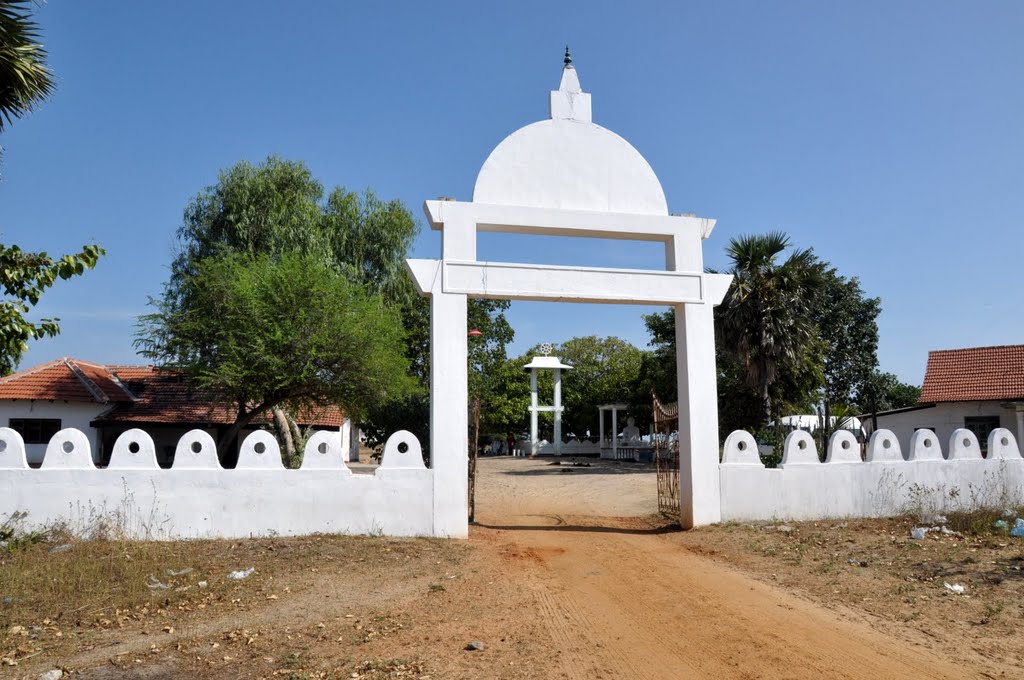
[890, 482]
[197, 498]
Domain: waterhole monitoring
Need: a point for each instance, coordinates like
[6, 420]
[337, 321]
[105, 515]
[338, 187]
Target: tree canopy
[25, 277]
[766, 317]
[25, 78]
[794, 330]
[278, 207]
[260, 332]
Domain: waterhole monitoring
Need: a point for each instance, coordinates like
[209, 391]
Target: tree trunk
[766, 404]
[473, 459]
[284, 435]
[297, 437]
[227, 440]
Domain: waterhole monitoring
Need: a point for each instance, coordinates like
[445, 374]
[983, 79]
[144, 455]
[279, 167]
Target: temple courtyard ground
[568, 574]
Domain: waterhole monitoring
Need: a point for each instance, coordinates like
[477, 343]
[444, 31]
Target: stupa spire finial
[569, 101]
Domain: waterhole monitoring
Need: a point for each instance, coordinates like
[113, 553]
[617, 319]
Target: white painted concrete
[569, 163]
[579, 284]
[71, 414]
[888, 485]
[199, 499]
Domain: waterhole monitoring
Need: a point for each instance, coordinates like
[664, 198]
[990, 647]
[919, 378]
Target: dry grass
[65, 595]
[874, 566]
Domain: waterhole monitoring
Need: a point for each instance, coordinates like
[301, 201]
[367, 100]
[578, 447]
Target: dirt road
[621, 601]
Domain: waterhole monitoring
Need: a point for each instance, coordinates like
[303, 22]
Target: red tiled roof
[974, 374]
[138, 395]
[165, 397]
[65, 379]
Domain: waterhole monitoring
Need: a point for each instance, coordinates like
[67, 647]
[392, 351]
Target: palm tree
[25, 79]
[765, 317]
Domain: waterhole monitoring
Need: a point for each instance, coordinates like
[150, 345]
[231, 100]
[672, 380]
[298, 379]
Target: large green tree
[24, 278]
[766, 317]
[259, 332]
[277, 208]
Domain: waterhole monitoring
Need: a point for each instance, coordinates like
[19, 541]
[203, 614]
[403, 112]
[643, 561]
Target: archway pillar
[700, 497]
[449, 388]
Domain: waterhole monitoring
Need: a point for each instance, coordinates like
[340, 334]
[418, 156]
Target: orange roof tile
[64, 379]
[137, 394]
[974, 374]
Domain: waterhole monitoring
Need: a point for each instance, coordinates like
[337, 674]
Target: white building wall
[943, 419]
[71, 414]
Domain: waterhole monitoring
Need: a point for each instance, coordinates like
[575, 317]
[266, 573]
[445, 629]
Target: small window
[35, 430]
[981, 426]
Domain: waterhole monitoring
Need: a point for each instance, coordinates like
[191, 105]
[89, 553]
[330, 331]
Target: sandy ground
[566, 575]
[623, 601]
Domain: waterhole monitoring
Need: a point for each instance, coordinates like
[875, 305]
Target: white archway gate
[567, 176]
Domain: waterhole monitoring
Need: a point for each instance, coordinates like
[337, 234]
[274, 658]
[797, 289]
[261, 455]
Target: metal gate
[666, 457]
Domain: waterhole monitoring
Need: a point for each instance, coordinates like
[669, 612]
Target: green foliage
[766, 319]
[25, 79]
[277, 210]
[791, 337]
[408, 412]
[277, 207]
[257, 332]
[884, 392]
[604, 370]
[847, 327]
[13, 537]
[25, 277]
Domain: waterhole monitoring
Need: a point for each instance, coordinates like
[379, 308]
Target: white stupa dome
[569, 163]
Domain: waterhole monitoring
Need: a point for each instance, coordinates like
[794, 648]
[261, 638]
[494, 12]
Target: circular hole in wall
[846, 443]
[1004, 441]
[196, 447]
[3, 445]
[322, 448]
[886, 444]
[967, 442]
[133, 447]
[260, 448]
[68, 447]
[742, 446]
[801, 444]
[927, 443]
[402, 447]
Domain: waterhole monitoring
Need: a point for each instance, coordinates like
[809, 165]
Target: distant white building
[978, 388]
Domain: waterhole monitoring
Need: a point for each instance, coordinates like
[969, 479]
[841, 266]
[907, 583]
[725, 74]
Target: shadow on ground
[585, 467]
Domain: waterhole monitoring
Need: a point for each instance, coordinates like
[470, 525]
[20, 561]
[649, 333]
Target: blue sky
[887, 136]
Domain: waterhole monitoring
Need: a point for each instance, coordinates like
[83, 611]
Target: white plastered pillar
[558, 412]
[449, 392]
[700, 497]
[534, 404]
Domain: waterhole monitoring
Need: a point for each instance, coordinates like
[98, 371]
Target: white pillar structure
[614, 444]
[566, 176]
[555, 365]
